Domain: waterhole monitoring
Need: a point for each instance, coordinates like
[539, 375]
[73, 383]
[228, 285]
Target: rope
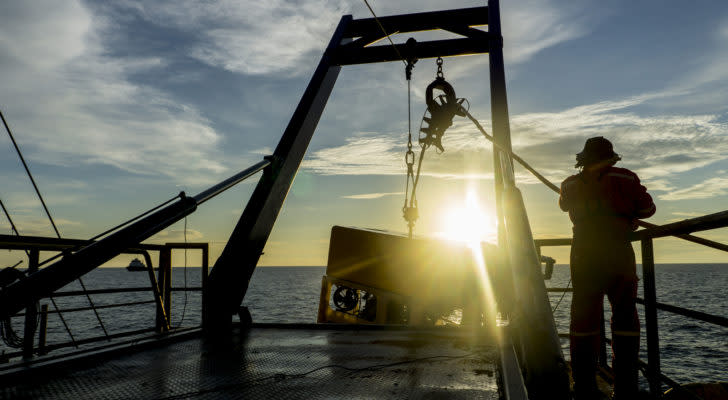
[22, 159]
[562, 297]
[55, 306]
[511, 153]
[385, 32]
[48, 213]
[409, 211]
[12, 224]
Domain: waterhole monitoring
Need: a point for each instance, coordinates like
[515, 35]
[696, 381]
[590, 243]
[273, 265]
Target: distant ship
[136, 265]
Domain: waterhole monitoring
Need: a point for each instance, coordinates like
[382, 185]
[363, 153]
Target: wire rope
[50, 218]
[385, 32]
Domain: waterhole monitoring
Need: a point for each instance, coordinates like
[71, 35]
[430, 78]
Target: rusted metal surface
[279, 362]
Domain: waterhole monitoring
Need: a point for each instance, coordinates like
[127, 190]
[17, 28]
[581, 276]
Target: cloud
[687, 214]
[32, 225]
[285, 37]
[369, 196]
[177, 235]
[253, 37]
[39, 39]
[375, 155]
[707, 189]
[657, 147]
[531, 26]
[84, 107]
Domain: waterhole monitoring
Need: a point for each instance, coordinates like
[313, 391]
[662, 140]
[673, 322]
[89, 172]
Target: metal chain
[439, 68]
[409, 209]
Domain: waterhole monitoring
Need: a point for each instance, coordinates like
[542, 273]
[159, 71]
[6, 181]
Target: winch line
[385, 32]
[688, 237]
[48, 213]
[53, 301]
[644, 224]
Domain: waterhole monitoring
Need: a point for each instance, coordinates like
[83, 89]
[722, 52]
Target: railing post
[31, 313]
[203, 281]
[653, 342]
[162, 321]
[164, 279]
[43, 329]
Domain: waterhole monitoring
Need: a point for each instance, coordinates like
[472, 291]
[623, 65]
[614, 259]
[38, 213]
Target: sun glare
[468, 222]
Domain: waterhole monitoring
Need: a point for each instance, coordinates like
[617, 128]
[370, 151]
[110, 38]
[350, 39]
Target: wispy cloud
[531, 26]
[83, 107]
[253, 37]
[710, 188]
[178, 235]
[32, 225]
[370, 196]
[687, 214]
[655, 146]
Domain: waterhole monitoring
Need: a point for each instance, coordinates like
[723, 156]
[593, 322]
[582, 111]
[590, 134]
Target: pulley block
[442, 109]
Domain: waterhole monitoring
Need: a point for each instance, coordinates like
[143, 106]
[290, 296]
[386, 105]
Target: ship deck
[276, 361]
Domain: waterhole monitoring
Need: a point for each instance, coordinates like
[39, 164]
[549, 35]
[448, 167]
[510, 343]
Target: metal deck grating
[284, 363]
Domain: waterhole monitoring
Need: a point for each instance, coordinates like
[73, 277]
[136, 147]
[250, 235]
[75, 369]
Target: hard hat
[596, 149]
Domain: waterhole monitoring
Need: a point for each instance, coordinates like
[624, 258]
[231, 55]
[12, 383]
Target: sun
[468, 222]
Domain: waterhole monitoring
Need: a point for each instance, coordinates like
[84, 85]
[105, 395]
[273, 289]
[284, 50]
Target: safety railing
[34, 340]
[646, 237]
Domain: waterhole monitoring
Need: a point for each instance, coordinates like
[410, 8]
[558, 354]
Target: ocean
[691, 351]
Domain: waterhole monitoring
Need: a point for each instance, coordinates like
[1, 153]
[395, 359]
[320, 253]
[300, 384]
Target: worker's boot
[584, 366]
[624, 365]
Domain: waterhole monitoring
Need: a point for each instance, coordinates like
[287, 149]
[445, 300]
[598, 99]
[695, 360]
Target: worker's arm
[564, 197]
[643, 204]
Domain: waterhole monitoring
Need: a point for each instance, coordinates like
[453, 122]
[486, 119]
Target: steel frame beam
[230, 276]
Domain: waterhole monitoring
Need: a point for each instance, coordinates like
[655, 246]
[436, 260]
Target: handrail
[15, 296]
[77, 309]
[646, 237]
[121, 290]
[703, 223]
[686, 312]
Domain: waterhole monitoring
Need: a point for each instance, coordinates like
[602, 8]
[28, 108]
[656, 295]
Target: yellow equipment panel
[378, 277]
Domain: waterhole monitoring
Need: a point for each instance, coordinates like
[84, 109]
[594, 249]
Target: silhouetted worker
[604, 204]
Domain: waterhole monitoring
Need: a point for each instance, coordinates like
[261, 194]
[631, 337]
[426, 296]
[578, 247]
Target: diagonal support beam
[229, 278]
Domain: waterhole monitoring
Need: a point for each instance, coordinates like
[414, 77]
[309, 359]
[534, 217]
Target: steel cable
[48, 213]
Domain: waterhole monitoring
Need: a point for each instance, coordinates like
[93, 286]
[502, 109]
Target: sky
[120, 105]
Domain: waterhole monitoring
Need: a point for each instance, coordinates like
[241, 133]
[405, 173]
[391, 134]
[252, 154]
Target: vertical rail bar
[203, 279]
[164, 279]
[162, 317]
[43, 329]
[653, 342]
[31, 313]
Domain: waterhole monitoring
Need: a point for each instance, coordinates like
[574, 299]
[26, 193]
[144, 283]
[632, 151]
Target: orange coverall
[604, 207]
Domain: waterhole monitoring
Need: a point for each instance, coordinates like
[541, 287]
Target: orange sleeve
[643, 204]
[564, 197]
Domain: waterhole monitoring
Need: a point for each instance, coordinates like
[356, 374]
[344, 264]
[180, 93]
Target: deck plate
[279, 362]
